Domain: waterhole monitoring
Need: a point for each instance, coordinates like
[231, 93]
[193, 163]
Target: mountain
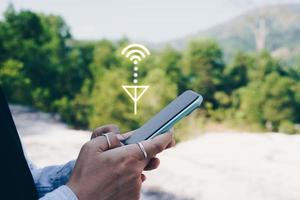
[274, 27]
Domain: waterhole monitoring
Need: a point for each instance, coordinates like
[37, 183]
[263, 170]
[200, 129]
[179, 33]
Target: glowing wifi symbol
[135, 52]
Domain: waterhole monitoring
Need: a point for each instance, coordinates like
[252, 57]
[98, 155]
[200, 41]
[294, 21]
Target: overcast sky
[150, 20]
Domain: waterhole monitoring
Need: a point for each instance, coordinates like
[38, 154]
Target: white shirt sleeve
[61, 193]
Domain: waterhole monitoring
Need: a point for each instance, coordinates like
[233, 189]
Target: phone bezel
[190, 108]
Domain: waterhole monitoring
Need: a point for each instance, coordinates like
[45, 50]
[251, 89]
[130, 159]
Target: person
[104, 170]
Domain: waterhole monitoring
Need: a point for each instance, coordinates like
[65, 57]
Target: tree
[14, 81]
[270, 103]
[205, 65]
[169, 60]
[280, 103]
[109, 103]
[263, 65]
[236, 75]
[247, 102]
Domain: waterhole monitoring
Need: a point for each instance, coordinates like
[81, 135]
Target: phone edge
[181, 115]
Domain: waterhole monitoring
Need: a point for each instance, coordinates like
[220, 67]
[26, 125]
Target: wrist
[73, 188]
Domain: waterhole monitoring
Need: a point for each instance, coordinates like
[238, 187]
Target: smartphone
[179, 108]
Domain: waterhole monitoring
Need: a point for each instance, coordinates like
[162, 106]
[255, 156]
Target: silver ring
[143, 149]
[107, 139]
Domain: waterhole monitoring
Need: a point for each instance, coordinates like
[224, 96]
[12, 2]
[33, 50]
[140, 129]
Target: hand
[105, 129]
[153, 163]
[104, 174]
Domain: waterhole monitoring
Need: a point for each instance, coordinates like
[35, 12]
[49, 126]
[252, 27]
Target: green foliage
[53, 69]
[169, 60]
[271, 101]
[263, 65]
[203, 60]
[248, 104]
[162, 90]
[11, 77]
[287, 127]
[236, 75]
[109, 103]
[41, 65]
[279, 99]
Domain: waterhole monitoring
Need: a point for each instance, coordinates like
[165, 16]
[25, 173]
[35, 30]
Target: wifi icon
[135, 52]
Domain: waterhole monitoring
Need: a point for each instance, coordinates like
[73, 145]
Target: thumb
[157, 144]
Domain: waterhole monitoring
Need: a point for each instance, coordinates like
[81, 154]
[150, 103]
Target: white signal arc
[135, 58]
[135, 51]
[135, 46]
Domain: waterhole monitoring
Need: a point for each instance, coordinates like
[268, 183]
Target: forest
[43, 66]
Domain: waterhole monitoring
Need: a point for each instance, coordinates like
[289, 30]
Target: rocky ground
[214, 166]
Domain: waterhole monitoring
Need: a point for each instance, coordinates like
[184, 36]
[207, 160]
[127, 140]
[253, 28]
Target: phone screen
[163, 117]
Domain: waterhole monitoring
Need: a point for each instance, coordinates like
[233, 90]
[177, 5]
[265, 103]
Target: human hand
[100, 131]
[153, 162]
[116, 173]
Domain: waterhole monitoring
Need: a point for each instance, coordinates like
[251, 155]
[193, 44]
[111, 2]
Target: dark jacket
[16, 179]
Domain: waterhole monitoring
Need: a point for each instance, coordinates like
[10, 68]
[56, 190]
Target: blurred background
[62, 71]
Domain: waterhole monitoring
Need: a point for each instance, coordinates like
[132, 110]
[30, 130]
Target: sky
[147, 20]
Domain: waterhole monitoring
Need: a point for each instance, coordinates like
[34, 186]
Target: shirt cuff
[61, 193]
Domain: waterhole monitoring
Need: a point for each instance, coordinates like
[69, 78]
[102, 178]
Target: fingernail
[120, 137]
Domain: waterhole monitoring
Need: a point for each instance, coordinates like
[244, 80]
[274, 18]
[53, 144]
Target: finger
[157, 144]
[172, 130]
[104, 144]
[172, 144]
[151, 147]
[120, 137]
[143, 177]
[105, 129]
[153, 164]
[126, 135]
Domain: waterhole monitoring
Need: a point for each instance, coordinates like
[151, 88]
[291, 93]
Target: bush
[287, 127]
